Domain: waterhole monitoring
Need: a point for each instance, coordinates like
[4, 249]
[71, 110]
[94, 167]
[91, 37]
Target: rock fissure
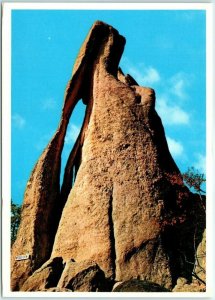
[112, 237]
[135, 250]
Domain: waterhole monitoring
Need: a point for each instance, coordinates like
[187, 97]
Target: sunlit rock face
[128, 210]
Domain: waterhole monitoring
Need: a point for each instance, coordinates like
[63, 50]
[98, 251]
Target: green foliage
[15, 220]
[194, 179]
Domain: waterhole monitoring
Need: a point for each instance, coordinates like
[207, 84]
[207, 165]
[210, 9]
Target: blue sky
[164, 50]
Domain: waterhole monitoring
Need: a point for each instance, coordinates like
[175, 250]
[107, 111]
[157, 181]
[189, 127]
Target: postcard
[107, 163]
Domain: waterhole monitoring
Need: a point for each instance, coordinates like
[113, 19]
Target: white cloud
[71, 136]
[151, 75]
[72, 133]
[178, 84]
[49, 104]
[171, 114]
[18, 121]
[178, 88]
[148, 74]
[175, 147]
[200, 163]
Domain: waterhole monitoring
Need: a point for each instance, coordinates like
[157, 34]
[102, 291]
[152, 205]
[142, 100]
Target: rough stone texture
[139, 286]
[56, 289]
[83, 277]
[198, 283]
[200, 268]
[128, 209]
[116, 285]
[183, 286]
[45, 277]
[128, 200]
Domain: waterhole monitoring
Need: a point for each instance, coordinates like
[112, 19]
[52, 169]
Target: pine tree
[15, 220]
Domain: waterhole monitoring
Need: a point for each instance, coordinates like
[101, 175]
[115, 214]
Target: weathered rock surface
[139, 286]
[128, 210]
[198, 283]
[200, 268]
[56, 289]
[45, 277]
[83, 277]
[184, 286]
[128, 199]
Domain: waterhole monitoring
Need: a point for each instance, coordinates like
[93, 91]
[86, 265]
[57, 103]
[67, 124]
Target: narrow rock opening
[71, 143]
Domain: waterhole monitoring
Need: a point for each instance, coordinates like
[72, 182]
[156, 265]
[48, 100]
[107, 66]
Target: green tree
[15, 220]
[194, 180]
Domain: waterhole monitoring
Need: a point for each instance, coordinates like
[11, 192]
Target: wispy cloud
[72, 133]
[149, 75]
[18, 121]
[171, 114]
[144, 75]
[175, 147]
[71, 136]
[200, 163]
[49, 104]
[178, 84]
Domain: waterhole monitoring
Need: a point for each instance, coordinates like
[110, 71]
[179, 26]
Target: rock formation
[128, 214]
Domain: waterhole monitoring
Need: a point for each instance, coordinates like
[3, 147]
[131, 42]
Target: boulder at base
[45, 277]
[136, 285]
[85, 276]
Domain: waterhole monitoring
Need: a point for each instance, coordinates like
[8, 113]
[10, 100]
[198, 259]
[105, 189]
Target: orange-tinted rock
[56, 289]
[42, 205]
[128, 199]
[111, 45]
[45, 277]
[83, 277]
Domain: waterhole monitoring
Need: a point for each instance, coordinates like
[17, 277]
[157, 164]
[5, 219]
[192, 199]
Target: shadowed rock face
[47, 276]
[128, 210]
[135, 285]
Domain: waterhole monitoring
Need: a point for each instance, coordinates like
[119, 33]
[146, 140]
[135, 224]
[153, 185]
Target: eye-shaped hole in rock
[73, 131]
[71, 155]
